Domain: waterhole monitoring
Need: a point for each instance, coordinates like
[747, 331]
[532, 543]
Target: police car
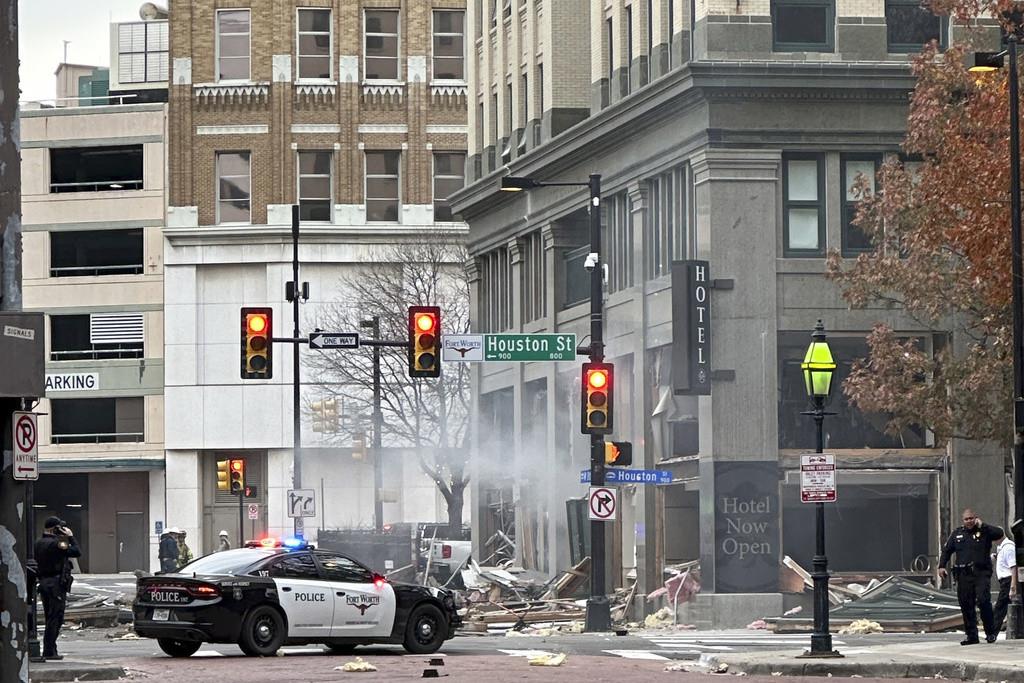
[273, 593]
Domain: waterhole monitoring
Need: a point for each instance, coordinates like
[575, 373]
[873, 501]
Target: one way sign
[334, 340]
[603, 503]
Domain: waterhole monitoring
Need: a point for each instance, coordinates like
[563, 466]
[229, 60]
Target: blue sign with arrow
[617, 475]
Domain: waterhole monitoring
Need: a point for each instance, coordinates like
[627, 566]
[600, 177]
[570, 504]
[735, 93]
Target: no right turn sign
[603, 503]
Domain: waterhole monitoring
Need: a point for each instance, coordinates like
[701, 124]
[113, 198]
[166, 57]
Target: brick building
[728, 133]
[356, 111]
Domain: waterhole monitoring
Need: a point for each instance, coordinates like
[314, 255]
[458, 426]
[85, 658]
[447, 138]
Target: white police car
[273, 593]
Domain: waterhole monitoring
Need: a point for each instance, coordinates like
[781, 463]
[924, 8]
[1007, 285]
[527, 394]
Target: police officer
[972, 544]
[53, 555]
[169, 551]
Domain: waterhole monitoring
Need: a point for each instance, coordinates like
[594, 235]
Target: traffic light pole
[299, 528]
[598, 611]
[378, 441]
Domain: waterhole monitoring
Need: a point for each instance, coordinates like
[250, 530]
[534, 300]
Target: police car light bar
[290, 543]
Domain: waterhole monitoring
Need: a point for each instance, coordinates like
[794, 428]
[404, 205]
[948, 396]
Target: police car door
[361, 607]
[306, 598]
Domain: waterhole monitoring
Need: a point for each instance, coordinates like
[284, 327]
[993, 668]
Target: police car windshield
[228, 562]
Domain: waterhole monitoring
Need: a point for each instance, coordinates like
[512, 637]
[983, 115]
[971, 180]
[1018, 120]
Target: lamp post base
[821, 647]
[824, 654]
[599, 616]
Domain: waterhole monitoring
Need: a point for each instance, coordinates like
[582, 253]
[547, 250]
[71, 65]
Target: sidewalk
[1000, 661]
[70, 670]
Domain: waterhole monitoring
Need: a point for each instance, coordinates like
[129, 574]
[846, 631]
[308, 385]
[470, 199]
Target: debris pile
[93, 610]
[860, 627]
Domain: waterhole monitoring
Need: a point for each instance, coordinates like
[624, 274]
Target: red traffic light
[424, 341]
[257, 323]
[425, 322]
[596, 401]
[236, 465]
[597, 379]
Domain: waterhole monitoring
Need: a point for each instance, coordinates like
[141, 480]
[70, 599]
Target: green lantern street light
[818, 367]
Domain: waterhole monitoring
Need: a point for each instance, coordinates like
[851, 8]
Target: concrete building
[356, 111]
[724, 133]
[93, 200]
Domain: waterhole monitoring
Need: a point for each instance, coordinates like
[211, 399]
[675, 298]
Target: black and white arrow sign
[334, 340]
[603, 502]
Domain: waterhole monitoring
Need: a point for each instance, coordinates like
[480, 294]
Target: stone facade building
[356, 111]
[728, 133]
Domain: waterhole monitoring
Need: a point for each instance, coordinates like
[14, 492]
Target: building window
[671, 30]
[803, 205]
[234, 187]
[96, 169]
[667, 221]
[618, 227]
[449, 177]
[496, 290]
[142, 52]
[610, 37]
[535, 277]
[909, 26]
[315, 186]
[97, 420]
[855, 241]
[650, 40]
[382, 188]
[849, 428]
[803, 25]
[96, 337]
[449, 46]
[95, 252]
[381, 50]
[314, 44]
[577, 277]
[629, 48]
[233, 45]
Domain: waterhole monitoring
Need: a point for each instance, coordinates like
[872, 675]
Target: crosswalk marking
[527, 653]
[727, 641]
[636, 654]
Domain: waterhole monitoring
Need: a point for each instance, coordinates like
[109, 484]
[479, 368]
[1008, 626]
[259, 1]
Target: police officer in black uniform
[53, 555]
[972, 544]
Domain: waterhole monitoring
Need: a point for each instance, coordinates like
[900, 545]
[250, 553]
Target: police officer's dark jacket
[168, 547]
[972, 546]
[53, 552]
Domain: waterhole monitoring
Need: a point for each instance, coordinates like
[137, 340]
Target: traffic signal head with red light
[236, 470]
[424, 341]
[596, 403]
[257, 348]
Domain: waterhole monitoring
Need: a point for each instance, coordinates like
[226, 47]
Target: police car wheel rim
[426, 627]
[263, 630]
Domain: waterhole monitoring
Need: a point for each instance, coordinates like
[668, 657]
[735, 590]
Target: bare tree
[430, 416]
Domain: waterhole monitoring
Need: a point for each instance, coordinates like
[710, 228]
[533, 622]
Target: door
[307, 600]
[361, 607]
[132, 541]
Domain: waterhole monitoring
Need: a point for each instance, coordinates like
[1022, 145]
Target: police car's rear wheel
[262, 633]
[425, 631]
[178, 648]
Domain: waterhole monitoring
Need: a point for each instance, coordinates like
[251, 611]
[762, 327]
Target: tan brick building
[356, 111]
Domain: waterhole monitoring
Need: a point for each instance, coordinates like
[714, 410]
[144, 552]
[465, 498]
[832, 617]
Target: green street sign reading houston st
[508, 347]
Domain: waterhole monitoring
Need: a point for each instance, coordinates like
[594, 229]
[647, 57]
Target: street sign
[614, 475]
[334, 340]
[513, 348]
[818, 478]
[301, 503]
[603, 503]
[254, 511]
[26, 446]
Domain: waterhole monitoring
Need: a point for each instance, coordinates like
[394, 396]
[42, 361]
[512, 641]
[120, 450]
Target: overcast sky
[44, 25]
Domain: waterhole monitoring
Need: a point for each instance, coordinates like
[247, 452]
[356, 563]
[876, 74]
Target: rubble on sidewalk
[860, 627]
[359, 665]
[547, 660]
[88, 610]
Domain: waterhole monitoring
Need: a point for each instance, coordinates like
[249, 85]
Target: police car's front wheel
[263, 632]
[425, 631]
[178, 648]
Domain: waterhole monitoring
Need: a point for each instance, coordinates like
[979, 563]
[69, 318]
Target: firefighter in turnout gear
[184, 552]
[53, 555]
[972, 545]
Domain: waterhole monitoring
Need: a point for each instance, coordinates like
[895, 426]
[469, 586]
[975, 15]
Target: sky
[43, 25]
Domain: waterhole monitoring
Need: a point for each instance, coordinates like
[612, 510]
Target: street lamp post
[598, 617]
[818, 368]
[987, 61]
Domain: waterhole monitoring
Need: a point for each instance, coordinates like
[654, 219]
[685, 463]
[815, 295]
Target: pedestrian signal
[257, 349]
[618, 453]
[424, 341]
[596, 403]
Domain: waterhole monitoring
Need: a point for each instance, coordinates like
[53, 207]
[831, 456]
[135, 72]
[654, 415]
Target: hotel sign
[691, 328]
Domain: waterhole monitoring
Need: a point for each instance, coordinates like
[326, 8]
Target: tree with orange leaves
[940, 228]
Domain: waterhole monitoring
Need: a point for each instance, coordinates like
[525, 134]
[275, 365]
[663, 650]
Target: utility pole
[598, 617]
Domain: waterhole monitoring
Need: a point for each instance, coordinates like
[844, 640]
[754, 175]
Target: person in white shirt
[1006, 573]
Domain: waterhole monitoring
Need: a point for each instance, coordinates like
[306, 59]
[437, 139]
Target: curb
[965, 671]
[61, 672]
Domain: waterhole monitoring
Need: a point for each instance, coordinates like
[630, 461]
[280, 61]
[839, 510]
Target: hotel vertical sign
[691, 328]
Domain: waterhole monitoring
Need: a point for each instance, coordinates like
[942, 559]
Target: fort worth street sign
[470, 348]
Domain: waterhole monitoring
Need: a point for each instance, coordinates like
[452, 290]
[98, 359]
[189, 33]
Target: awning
[69, 465]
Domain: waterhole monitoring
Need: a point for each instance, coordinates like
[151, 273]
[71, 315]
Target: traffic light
[257, 349]
[359, 446]
[237, 477]
[325, 415]
[223, 475]
[618, 453]
[424, 341]
[596, 403]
